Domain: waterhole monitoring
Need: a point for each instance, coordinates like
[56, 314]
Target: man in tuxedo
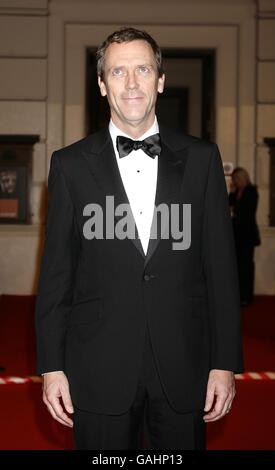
[144, 328]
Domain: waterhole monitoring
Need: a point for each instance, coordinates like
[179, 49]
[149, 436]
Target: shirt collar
[115, 131]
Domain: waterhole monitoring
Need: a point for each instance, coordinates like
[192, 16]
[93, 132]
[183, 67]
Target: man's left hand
[220, 394]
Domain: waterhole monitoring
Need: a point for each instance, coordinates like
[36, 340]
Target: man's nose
[131, 80]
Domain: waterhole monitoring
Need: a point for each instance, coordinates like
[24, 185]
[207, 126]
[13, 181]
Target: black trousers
[150, 423]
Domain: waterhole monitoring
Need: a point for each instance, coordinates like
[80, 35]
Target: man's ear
[161, 81]
[102, 87]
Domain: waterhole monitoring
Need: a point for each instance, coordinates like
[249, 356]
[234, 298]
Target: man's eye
[143, 69]
[117, 72]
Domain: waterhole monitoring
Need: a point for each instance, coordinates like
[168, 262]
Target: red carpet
[17, 337]
[25, 423]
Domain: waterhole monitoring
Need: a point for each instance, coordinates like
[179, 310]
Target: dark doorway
[188, 101]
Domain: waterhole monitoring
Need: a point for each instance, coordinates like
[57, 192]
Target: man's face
[131, 83]
[8, 181]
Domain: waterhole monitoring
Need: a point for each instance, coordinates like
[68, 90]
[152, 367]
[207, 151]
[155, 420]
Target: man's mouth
[132, 98]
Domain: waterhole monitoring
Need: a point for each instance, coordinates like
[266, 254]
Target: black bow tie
[151, 145]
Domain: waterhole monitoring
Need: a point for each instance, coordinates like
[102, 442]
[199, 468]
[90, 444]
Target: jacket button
[146, 277]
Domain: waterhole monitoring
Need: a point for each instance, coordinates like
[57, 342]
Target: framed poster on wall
[16, 178]
[13, 193]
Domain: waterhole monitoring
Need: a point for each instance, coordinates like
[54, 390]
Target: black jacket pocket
[86, 311]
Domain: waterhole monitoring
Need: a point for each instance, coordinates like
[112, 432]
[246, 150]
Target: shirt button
[146, 277]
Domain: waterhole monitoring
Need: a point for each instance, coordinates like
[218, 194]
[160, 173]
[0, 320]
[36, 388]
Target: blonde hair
[242, 176]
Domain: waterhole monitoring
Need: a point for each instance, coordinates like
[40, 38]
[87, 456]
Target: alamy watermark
[176, 217]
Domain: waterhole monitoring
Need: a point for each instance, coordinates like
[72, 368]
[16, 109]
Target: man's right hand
[56, 386]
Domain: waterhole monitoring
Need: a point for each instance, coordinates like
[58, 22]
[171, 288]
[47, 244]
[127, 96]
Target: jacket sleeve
[220, 268]
[56, 284]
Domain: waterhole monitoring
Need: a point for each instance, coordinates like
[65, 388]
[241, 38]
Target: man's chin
[135, 119]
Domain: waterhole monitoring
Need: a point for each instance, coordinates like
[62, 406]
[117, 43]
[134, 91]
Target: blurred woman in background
[243, 201]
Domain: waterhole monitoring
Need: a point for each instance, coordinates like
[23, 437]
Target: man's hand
[56, 386]
[221, 385]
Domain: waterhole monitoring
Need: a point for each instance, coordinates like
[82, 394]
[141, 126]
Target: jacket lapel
[171, 167]
[102, 163]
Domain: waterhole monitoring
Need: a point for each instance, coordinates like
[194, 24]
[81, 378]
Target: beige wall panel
[23, 36]
[23, 4]
[266, 82]
[39, 163]
[125, 12]
[266, 122]
[55, 111]
[38, 203]
[266, 6]
[23, 118]
[246, 93]
[263, 167]
[226, 133]
[246, 159]
[266, 39]
[23, 79]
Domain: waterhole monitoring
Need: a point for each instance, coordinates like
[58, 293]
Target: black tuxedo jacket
[96, 296]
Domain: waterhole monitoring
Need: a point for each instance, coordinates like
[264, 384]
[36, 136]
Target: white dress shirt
[139, 176]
